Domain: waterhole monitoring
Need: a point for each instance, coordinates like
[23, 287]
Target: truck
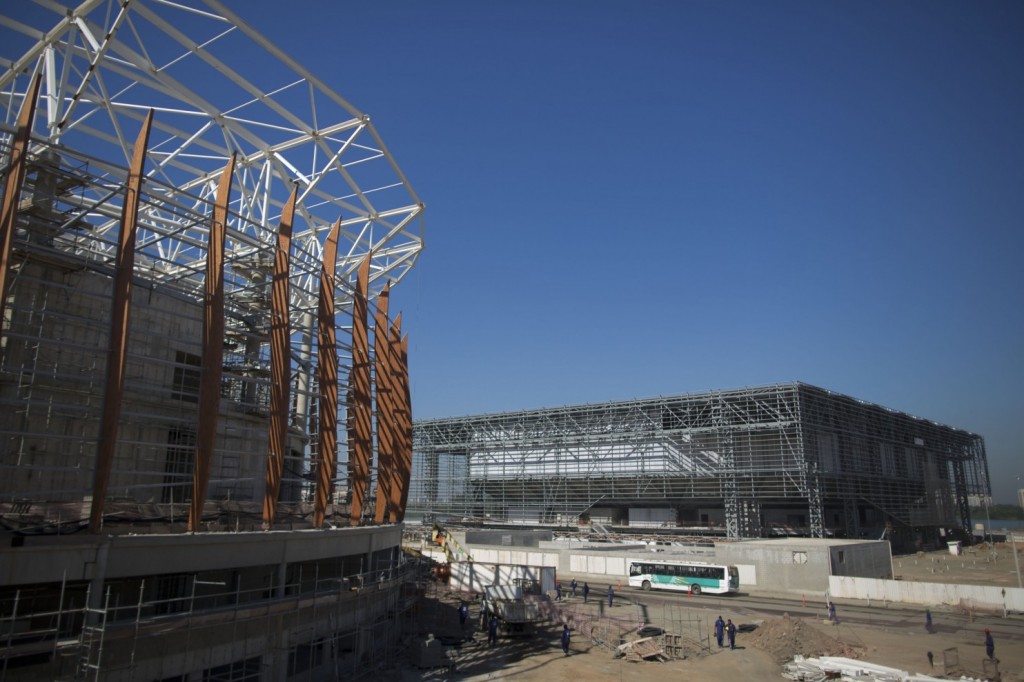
[517, 610]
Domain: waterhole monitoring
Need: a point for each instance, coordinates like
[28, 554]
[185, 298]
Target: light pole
[988, 526]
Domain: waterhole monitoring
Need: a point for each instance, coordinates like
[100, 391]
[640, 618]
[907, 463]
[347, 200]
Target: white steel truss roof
[217, 87]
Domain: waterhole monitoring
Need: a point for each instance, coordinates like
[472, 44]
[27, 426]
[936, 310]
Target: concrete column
[282, 579]
[302, 381]
[99, 575]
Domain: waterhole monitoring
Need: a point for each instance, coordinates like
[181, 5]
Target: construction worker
[990, 645]
[463, 614]
[730, 630]
[611, 595]
[586, 591]
[719, 631]
[565, 639]
[558, 591]
[492, 631]
[573, 586]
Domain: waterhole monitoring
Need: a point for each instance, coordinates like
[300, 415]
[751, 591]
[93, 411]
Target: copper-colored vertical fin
[406, 420]
[385, 413]
[395, 422]
[12, 184]
[327, 379]
[360, 410]
[117, 346]
[213, 348]
[280, 361]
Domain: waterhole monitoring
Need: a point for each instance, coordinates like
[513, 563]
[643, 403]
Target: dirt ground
[764, 644]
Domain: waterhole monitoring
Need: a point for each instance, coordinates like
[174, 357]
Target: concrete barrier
[969, 597]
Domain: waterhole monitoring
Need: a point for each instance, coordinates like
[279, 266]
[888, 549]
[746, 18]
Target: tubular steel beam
[327, 378]
[213, 349]
[385, 407]
[117, 347]
[280, 355]
[12, 184]
[405, 420]
[360, 409]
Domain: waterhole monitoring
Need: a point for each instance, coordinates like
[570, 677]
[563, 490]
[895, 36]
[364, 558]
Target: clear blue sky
[632, 199]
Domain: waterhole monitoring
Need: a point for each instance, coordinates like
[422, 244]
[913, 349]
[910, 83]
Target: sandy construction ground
[896, 638]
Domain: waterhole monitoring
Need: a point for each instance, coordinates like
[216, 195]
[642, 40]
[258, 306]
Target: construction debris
[852, 670]
[641, 650]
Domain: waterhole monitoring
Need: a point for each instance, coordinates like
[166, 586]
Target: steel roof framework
[105, 63]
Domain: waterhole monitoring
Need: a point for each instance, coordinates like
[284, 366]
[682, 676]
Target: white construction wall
[614, 566]
[973, 597]
[473, 576]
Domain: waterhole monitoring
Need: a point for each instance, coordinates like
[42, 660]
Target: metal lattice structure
[221, 97]
[194, 234]
[105, 63]
[786, 458]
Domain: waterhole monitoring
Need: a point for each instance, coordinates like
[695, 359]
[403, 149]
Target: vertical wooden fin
[397, 400]
[360, 409]
[327, 379]
[117, 346]
[213, 348]
[13, 181]
[404, 428]
[280, 363]
[385, 418]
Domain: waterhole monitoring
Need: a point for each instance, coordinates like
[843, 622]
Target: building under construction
[786, 459]
[205, 428]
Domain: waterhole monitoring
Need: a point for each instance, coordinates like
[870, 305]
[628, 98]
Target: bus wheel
[695, 590]
[646, 586]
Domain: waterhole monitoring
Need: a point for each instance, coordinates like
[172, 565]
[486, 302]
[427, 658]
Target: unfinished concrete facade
[184, 315]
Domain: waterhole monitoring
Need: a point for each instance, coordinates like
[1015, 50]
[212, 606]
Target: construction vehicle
[516, 610]
[453, 552]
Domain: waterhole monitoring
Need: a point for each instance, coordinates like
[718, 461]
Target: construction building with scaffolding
[789, 459]
[205, 423]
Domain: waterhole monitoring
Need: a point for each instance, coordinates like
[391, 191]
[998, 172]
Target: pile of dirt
[786, 637]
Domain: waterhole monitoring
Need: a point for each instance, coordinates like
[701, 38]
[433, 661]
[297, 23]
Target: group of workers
[585, 590]
[724, 629]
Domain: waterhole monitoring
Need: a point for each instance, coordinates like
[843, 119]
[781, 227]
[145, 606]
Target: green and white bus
[683, 576]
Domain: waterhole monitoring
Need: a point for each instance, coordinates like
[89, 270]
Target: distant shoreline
[997, 524]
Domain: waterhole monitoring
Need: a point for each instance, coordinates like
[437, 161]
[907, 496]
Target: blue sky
[627, 200]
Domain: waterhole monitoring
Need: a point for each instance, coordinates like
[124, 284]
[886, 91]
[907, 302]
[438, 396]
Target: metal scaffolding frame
[313, 622]
[159, 324]
[843, 465]
[105, 67]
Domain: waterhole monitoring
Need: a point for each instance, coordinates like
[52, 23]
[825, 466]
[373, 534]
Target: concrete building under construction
[789, 459]
[205, 423]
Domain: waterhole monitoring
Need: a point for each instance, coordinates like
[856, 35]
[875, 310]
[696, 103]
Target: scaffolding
[789, 458]
[168, 353]
[275, 133]
[312, 626]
